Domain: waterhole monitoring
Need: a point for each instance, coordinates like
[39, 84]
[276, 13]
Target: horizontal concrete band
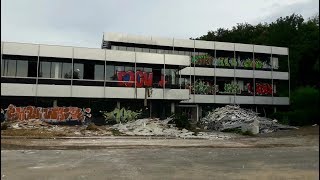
[241, 73]
[41, 90]
[198, 44]
[11, 89]
[25, 49]
[230, 99]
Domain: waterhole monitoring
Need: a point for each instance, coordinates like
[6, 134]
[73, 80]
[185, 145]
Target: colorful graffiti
[230, 62]
[261, 88]
[53, 114]
[143, 79]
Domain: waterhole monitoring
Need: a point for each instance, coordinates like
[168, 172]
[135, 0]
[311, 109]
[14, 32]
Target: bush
[304, 106]
[181, 120]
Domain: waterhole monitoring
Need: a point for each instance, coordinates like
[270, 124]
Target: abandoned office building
[162, 75]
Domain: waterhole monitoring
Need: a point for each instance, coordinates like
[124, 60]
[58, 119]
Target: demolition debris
[156, 127]
[232, 117]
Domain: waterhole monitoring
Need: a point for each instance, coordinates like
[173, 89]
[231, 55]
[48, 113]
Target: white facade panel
[54, 90]
[12, 89]
[119, 92]
[262, 49]
[243, 47]
[89, 53]
[162, 41]
[56, 51]
[187, 71]
[280, 50]
[157, 93]
[262, 74]
[204, 44]
[280, 75]
[263, 100]
[224, 72]
[225, 46]
[177, 60]
[281, 101]
[204, 98]
[20, 49]
[137, 39]
[111, 36]
[244, 99]
[224, 99]
[149, 58]
[87, 91]
[177, 94]
[184, 43]
[120, 56]
[244, 73]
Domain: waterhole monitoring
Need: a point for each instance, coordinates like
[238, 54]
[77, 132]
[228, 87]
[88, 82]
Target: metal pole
[289, 76]
[105, 73]
[164, 75]
[72, 69]
[254, 79]
[215, 78]
[37, 78]
[194, 68]
[135, 76]
[234, 72]
[272, 76]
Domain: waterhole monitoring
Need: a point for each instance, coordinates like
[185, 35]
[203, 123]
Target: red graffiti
[261, 89]
[162, 82]
[143, 79]
[55, 114]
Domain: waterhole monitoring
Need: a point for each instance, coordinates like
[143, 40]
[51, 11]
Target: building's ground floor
[149, 107]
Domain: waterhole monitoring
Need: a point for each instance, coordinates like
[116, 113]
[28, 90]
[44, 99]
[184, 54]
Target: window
[130, 48]
[129, 68]
[66, 70]
[153, 50]
[122, 48]
[10, 67]
[78, 71]
[110, 72]
[137, 49]
[99, 72]
[45, 70]
[145, 50]
[114, 47]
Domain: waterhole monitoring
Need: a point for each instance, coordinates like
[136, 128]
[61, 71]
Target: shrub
[181, 120]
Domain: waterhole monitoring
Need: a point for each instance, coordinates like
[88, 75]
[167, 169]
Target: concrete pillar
[200, 112]
[118, 104]
[256, 109]
[172, 107]
[274, 109]
[55, 103]
[56, 70]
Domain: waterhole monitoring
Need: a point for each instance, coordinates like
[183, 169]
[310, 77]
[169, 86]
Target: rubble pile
[74, 130]
[231, 117]
[156, 127]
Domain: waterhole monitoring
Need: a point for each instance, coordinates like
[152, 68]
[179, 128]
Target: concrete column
[200, 112]
[172, 107]
[56, 70]
[118, 104]
[274, 109]
[55, 103]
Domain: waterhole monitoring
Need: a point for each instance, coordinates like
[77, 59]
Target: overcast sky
[82, 22]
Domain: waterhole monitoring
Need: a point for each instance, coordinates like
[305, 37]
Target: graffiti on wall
[127, 78]
[53, 114]
[230, 62]
[261, 88]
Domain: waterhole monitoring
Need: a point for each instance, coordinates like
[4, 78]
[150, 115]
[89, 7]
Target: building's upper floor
[205, 53]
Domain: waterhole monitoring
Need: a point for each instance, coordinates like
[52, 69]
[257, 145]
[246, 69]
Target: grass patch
[31, 133]
[116, 132]
[92, 127]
